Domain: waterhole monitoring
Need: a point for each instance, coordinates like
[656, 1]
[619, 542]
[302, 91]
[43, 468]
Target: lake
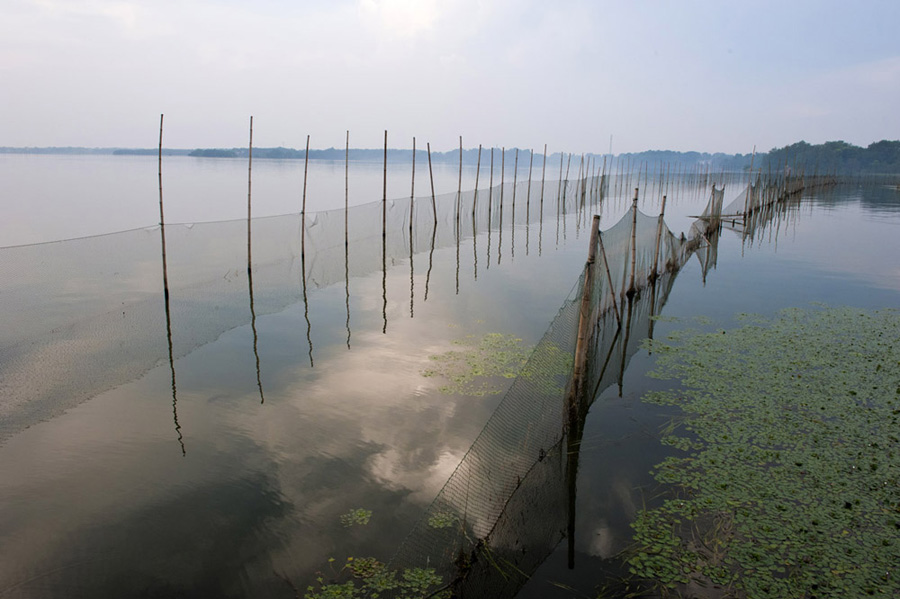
[227, 426]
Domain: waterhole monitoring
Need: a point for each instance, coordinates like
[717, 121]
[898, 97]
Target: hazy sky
[689, 75]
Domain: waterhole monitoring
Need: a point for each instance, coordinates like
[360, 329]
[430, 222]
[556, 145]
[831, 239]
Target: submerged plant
[789, 480]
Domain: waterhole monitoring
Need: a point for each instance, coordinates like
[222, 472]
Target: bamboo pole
[249, 170]
[162, 219]
[162, 237]
[384, 240]
[559, 184]
[303, 204]
[659, 233]
[528, 193]
[384, 192]
[477, 175]
[303, 254]
[346, 185]
[412, 193]
[515, 182]
[459, 189]
[502, 179]
[490, 201]
[502, 184]
[631, 290]
[431, 177]
[543, 177]
[262, 398]
[584, 318]
[347, 233]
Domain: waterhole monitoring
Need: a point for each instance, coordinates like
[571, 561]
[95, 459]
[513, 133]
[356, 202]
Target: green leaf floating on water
[789, 482]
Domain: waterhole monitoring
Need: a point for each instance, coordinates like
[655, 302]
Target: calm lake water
[207, 445]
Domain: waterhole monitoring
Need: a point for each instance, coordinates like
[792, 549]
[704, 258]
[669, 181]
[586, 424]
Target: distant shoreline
[830, 157]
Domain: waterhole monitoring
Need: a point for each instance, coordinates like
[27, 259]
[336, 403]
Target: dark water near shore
[226, 472]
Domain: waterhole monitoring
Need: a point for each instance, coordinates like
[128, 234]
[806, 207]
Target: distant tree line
[833, 156]
[837, 156]
[830, 157]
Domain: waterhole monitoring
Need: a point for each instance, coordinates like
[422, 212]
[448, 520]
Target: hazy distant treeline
[833, 156]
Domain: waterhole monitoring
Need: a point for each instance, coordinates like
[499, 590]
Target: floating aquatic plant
[370, 578]
[356, 517]
[788, 484]
[479, 366]
[442, 520]
[475, 368]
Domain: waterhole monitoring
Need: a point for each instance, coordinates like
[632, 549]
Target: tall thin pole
[262, 398]
[515, 182]
[431, 176]
[162, 236]
[412, 189]
[659, 234]
[459, 189]
[303, 254]
[477, 174]
[303, 204]
[347, 232]
[490, 197]
[162, 219]
[384, 240]
[412, 195]
[249, 170]
[630, 290]
[384, 194]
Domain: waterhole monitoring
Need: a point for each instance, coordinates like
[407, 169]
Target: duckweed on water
[789, 480]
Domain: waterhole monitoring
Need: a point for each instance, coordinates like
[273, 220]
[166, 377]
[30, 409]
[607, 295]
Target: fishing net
[503, 510]
[83, 316]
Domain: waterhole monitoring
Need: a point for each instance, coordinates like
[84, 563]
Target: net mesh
[517, 470]
[85, 315]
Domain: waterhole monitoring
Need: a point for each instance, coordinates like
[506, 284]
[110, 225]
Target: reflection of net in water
[85, 315]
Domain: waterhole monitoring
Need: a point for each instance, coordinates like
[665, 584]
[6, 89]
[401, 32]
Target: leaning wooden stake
[584, 318]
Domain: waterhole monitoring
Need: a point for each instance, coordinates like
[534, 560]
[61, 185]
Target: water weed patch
[787, 481]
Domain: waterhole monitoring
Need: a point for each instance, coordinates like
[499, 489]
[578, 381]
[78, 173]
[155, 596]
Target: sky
[577, 75]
